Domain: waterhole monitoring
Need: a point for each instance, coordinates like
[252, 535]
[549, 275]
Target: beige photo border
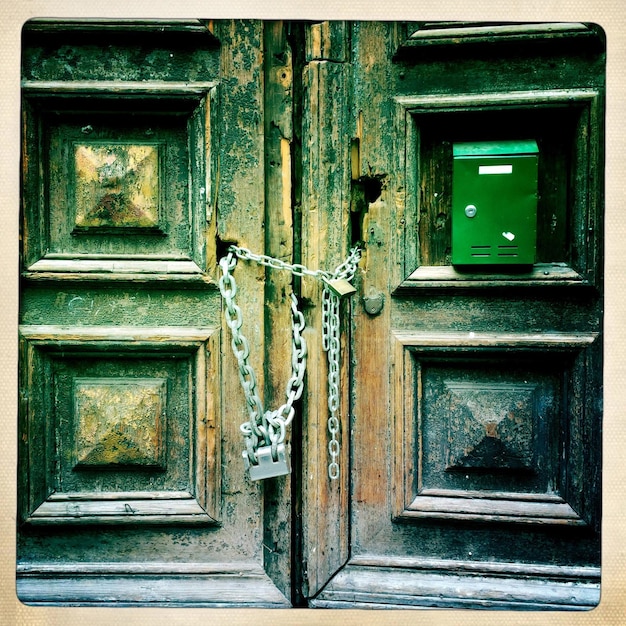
[610, 14]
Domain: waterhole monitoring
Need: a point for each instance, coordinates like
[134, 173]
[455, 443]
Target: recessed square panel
[121, 425]
[120, 422]
[482, 426]
[489, 424]
[111, 409]
[117, 185]
[561, 122]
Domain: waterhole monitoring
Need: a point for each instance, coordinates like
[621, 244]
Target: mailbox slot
[494, 203]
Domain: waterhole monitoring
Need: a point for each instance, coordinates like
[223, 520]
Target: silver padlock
[267, 467]
[340, 286]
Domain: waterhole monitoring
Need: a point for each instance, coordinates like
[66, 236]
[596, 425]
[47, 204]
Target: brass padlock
[267, 467]
[340, 286]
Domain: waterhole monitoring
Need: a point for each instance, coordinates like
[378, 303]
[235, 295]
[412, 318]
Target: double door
[467, 440]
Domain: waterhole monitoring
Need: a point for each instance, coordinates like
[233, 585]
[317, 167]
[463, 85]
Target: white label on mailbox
[495, 169]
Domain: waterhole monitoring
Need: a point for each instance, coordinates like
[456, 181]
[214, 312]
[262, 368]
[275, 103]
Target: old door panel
[476, 393]
[130, 456]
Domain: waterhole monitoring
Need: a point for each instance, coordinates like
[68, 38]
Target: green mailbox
[494, 202]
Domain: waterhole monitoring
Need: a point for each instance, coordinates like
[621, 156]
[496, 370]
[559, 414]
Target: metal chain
[262, 259]
[269, 427]
[331, 338]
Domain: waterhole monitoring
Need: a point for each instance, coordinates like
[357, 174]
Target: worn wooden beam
[215, 584]
[391, 585]
[371, 445]
[278, 89]
[325, 238]
[241, 214]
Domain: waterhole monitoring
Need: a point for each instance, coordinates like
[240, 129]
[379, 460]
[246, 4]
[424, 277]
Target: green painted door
[143, 149]
[460, 463]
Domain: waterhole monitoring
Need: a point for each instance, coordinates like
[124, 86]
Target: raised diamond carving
[117, 185]
[490, 425]
[120, 422]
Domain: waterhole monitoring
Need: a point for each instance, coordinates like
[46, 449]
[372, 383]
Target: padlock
[267, 467]
[340, 286]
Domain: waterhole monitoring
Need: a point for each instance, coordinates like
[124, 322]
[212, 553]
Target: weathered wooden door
[466, 437]
[143, 149]
[474, 392]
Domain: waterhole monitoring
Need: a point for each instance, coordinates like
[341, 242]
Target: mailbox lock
[470, 210]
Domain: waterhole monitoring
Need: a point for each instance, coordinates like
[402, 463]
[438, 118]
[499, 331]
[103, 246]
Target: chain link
[262, 259]
[331, 338]
[331, 333]
[265, 428]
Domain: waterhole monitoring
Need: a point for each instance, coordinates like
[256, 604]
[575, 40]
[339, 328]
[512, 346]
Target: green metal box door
[494, 203]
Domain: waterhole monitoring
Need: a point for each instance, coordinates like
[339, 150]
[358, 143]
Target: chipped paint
[117, 185]
[120, 421]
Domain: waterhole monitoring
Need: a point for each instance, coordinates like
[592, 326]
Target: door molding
[381, 582]
[230, 584]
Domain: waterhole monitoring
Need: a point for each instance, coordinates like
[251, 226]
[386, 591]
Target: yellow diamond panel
[117, 185]
[120, 422]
